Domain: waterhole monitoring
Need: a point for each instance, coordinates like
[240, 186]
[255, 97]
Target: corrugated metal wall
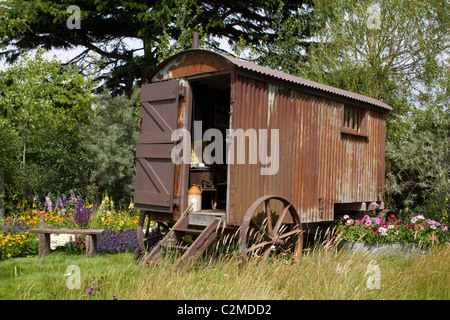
[319, 166]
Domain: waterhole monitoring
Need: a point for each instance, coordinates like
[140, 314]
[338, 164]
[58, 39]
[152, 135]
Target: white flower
[346, 217]
[349, 222]
[390, 226]
[383, 231]
[413, 219]
[60, 240]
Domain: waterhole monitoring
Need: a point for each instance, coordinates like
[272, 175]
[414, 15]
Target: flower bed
[415, 230]
[15, 241]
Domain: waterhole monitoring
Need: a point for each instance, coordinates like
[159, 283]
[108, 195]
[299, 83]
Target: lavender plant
[114, 241]
[82, 216]
[13, 227]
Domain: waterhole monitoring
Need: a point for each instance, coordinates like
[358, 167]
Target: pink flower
[377, 220]
[368, 223]
[433, 238]
[420, 225]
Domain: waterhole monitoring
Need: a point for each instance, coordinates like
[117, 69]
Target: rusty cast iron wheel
[144, 237]
[263, 231]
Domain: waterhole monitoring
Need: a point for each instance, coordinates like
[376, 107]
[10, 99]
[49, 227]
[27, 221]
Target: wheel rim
[263, 230]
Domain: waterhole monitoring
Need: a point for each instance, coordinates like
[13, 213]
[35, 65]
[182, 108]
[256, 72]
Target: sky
[67, 55]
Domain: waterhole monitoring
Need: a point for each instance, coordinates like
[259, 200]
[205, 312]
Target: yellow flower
[8, 255]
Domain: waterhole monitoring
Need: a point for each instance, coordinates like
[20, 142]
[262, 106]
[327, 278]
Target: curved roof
[242, 64]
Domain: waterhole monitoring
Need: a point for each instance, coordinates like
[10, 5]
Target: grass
[323, 272]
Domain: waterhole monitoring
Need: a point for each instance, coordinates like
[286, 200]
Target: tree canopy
[42, 106]
[161, 27]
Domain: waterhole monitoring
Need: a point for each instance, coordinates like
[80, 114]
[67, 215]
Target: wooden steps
[173, 240]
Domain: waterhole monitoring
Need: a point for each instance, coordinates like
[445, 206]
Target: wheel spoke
[269, 217]
[147, 231]
[280, 219]
[257, 246]
[288, 234]
[266, 254]
[260, 230]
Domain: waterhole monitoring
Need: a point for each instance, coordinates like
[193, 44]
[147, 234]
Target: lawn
[324, 272]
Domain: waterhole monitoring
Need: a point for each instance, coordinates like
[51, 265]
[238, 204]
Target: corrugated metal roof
[304, 82]
[285, 77]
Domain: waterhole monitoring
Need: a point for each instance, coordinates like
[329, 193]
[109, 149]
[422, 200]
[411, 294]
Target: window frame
[361, 121]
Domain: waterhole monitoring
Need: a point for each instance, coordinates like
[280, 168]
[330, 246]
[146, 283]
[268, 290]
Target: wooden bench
[91, 239]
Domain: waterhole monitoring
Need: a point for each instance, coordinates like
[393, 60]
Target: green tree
[110, 142]
[42, 105]
[396, 51]
[107, 25]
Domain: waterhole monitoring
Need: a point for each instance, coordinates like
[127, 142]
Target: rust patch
[191, 64]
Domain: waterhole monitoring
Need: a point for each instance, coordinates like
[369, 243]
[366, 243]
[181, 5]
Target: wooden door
[155, 171]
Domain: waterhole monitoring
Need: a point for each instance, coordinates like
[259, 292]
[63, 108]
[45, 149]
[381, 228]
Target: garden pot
[383, 249]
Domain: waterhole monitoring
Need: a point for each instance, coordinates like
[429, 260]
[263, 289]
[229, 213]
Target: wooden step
[189, 231]
[172, 246]
[174, 237]
[200, 244]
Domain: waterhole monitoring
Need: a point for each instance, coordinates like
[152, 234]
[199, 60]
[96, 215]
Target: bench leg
[91, 245]
[44, 244]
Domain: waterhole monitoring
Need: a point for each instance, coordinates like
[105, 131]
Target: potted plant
[413, 234]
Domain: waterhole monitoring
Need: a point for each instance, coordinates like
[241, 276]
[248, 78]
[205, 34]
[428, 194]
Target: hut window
[351, 118]
[354, 121]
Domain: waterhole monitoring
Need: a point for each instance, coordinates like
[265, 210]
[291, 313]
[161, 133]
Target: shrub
[16, 241]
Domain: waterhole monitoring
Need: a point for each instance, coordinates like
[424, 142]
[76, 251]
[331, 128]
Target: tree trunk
[25, 141]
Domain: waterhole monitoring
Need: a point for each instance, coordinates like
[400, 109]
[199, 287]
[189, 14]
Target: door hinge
[182, 94]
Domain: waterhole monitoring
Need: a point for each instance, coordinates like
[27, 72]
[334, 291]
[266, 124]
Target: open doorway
[211, 109]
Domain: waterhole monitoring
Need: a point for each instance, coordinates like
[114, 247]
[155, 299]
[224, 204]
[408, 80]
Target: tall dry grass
[324, 272]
